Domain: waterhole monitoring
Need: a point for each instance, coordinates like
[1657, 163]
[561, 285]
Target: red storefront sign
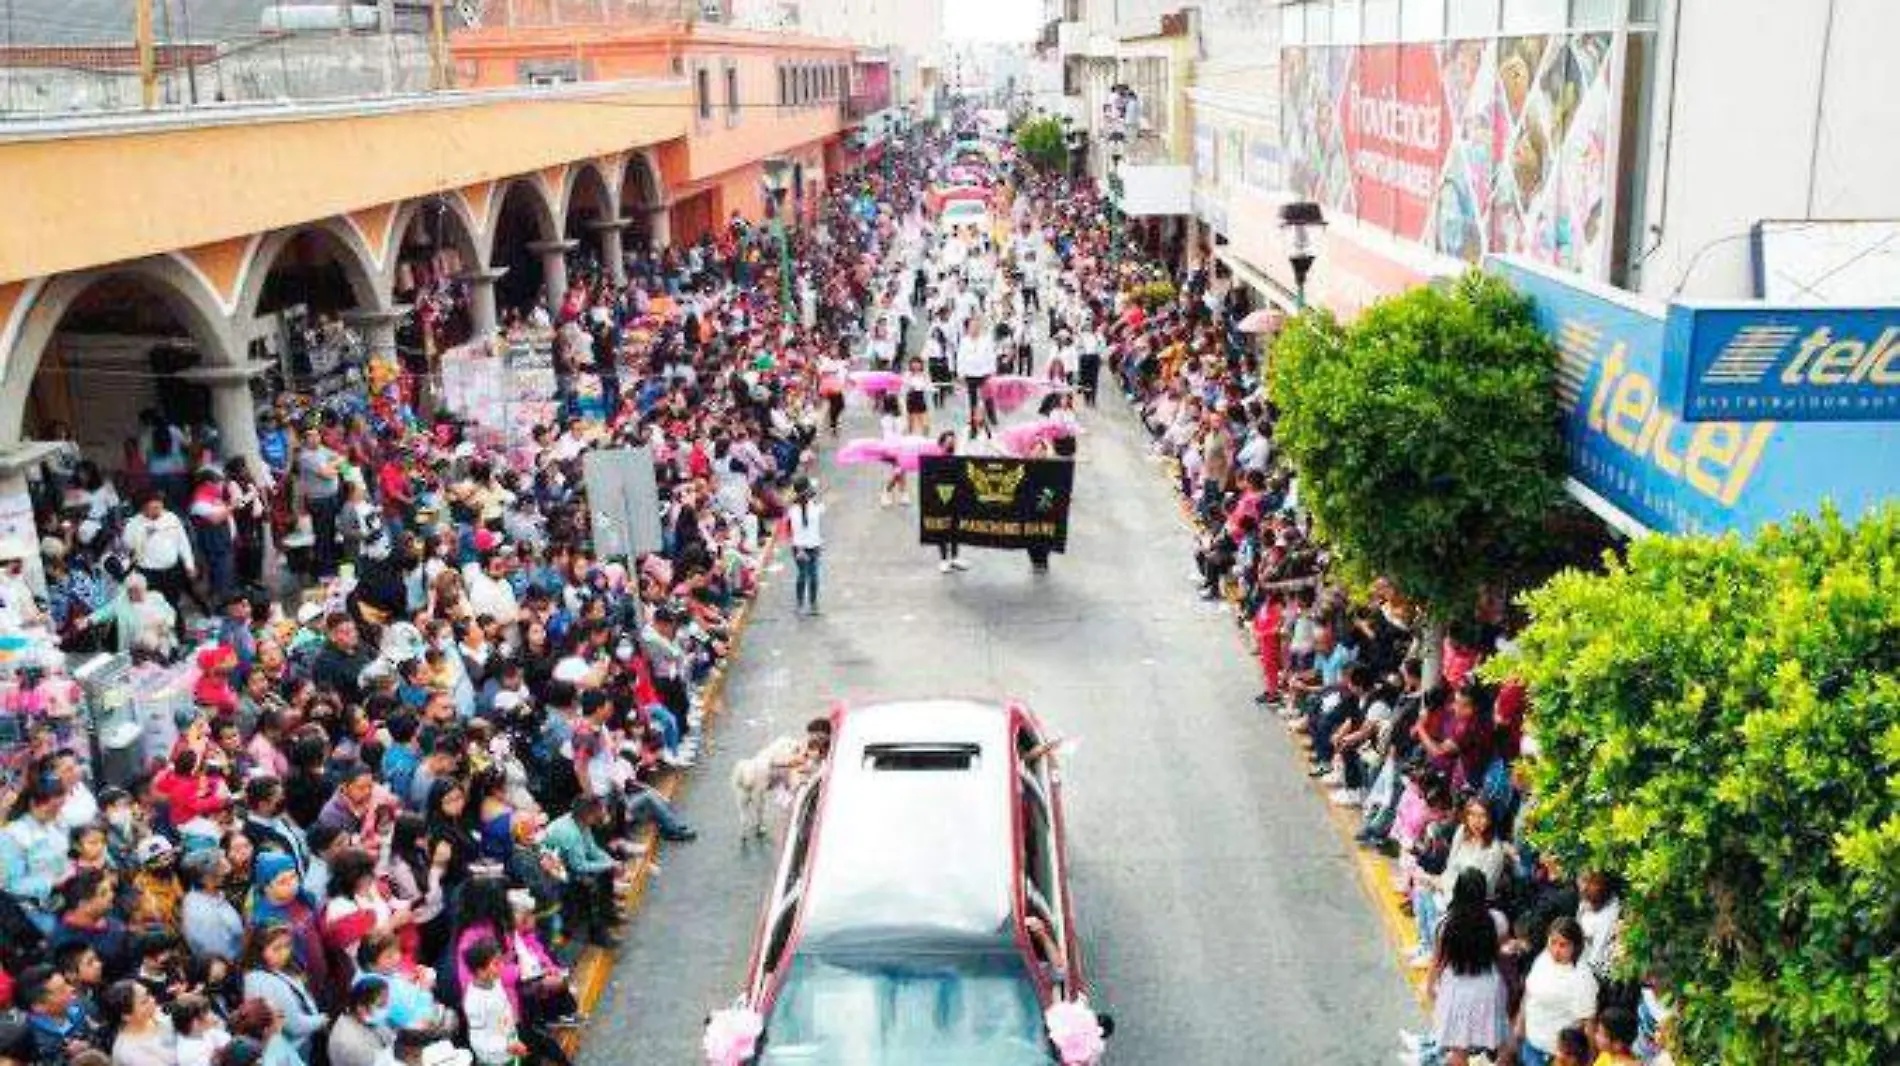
[1397, 133]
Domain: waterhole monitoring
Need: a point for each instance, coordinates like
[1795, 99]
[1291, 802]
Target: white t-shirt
[807, 524]
[1555, 998]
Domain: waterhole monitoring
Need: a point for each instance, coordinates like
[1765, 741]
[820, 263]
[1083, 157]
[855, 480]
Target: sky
[991, 20]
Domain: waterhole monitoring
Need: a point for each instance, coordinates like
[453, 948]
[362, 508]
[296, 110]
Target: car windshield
[942, 1011]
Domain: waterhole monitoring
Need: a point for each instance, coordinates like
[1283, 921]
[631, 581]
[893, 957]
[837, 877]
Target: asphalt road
[1223, 920]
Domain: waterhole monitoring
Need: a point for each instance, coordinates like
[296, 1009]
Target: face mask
[379, 1016]
[120, 819]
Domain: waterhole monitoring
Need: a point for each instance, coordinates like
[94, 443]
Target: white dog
[775, 769]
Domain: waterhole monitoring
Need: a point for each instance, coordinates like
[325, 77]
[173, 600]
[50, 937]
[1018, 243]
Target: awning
[1260, 282]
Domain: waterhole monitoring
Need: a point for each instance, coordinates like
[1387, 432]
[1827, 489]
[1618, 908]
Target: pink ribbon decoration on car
[732, 1035]
[1075, 1031]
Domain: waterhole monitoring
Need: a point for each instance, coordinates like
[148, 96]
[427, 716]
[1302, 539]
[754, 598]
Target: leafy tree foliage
[1041, 141]
[1719, 721]
[1425, 436]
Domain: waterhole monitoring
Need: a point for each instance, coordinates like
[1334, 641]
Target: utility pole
[438, 47]
[148, 53]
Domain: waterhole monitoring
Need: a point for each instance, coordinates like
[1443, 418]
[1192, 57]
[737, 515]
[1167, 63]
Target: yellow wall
[77, 201]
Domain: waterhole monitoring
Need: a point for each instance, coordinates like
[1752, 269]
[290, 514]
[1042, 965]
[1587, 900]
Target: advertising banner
[623, 501]
[1630, 445]
[1792, 364]
[1469, 147]
[996, 503]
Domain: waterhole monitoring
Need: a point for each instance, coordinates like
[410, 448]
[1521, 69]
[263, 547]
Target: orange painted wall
[70, 203]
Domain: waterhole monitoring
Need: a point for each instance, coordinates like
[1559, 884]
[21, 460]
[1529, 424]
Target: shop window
[1422, 20]
[1293, 24]
[1535, 16]
[1472, 18]
[1346, 21]
[1594, 14]
[1379, 21]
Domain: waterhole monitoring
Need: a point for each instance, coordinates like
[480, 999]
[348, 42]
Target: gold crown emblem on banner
[995, 483]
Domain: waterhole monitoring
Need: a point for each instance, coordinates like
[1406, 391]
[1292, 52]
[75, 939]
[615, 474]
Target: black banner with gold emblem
[996, 503]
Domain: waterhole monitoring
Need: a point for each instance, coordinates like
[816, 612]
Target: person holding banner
[947, 557]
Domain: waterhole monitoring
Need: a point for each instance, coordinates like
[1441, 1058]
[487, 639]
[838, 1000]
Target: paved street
[1223, 920]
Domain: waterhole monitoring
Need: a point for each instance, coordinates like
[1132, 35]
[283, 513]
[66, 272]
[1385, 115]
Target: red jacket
[190, 797]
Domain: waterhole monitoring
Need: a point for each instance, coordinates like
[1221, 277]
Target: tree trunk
[1432, 655]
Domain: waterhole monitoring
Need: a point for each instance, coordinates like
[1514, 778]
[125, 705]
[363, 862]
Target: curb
[594, 968]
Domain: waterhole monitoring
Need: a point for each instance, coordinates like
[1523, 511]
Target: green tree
[1719, 722]
[1425, 438]
[1041, 141]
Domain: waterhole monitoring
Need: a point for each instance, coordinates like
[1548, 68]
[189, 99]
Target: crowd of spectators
[1518, 954]
[401, 802]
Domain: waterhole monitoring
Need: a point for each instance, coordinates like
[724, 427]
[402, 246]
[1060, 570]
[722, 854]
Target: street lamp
[1302, 221]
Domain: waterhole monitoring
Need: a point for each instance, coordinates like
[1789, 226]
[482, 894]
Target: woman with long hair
[144, 1035]
[449, 824]
[358, 907]
[806, 517]
[271, 974]
[414, 869]
[1470, 1013]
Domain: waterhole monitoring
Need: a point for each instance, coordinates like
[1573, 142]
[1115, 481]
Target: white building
[1648, 144]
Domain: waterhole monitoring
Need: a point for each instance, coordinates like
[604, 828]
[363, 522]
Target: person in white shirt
[492, 1032]
[1559, 993]
[806, 515]
[976, 363]
[161, 550]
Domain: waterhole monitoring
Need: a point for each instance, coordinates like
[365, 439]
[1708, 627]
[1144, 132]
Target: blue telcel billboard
[1630, 444]
[1790, 364]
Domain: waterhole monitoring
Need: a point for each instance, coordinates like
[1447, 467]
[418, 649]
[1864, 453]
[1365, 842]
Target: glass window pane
[1643, 11]
[1593, 14]
[1319, 23]
[1293, 24]
[1423, 20]
[1535, 16]
[1346, 21]
[1473, 18]
[1381, 21]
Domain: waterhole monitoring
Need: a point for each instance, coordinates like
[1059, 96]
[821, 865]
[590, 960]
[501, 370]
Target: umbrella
[1265, 320]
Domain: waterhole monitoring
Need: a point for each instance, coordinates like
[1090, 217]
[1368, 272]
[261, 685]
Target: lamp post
[778, 173]
[1115, 218]
[1302, 221]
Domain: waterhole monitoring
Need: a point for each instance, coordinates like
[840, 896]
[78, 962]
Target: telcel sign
[1822, 364]
[1632, 445]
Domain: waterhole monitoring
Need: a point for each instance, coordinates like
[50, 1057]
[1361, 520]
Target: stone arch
[455, 225]
[547, 221]
[522, 218]
[368, 285]
[590, 184]
[183, 292]
[642, 193]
